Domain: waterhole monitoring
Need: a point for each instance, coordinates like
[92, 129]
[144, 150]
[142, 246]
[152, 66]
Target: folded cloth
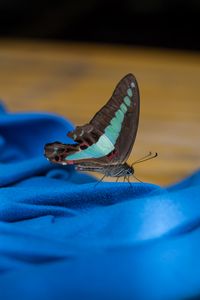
[64, 237]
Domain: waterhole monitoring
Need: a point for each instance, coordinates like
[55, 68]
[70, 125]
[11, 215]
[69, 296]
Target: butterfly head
[128, 170]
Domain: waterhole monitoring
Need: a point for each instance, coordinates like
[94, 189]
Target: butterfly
[104, 144]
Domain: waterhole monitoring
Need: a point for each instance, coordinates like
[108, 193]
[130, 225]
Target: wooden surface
[75, 80]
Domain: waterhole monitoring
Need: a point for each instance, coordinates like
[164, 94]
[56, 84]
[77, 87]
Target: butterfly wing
[109, 136]
[119, 118]
[57, 152]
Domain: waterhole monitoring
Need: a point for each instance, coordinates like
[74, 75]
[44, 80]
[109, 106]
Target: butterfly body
[104, 144]
[121, 170]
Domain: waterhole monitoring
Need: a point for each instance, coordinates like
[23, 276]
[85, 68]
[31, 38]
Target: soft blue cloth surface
[62, 237]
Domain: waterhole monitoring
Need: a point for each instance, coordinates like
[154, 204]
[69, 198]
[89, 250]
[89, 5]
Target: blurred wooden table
[75, 80]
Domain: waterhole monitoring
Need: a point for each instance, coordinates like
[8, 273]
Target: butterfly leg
[137, 178]
[117, 179]
[129, 182]
[99, 180]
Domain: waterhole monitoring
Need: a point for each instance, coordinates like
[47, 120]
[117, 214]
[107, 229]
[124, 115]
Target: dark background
[150, 23]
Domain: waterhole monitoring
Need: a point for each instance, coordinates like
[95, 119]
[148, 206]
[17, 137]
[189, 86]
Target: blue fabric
[62, 237]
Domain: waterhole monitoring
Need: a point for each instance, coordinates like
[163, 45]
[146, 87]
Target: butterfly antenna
[145, 158]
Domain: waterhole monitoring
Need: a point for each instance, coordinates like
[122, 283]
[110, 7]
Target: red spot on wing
[70, 162]
[112, 155]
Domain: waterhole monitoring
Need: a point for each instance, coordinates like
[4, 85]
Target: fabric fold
[64, 237]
